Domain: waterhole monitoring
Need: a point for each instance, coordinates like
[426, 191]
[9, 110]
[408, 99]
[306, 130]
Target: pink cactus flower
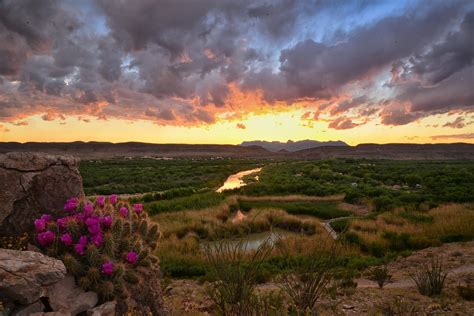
[88, 209]
[46, 238]
[40, 225]
[132, 257]
[97, 239]
[100, 200]
[108, 268]
[93, 225]
[138, 208]
[80, 249]
[83, 240]
[46, 217]
[66, 239]
[113, 198]
[71, 204]
[123, 211]
[62, 223]
[107, 221]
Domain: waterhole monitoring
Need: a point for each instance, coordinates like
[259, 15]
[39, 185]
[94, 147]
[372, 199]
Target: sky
[225, 71]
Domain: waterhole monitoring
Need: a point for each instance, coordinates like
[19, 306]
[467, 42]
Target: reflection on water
[235, 181]
[251, 241]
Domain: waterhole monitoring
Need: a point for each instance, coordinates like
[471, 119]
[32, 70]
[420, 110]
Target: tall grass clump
[430, 278]
[236, 271]
[106, 245]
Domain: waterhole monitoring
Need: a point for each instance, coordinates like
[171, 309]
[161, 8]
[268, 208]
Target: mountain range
[104, 150]
[291, 146]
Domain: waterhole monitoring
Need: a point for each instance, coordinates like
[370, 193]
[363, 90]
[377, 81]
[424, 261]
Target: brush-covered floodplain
[357, 214]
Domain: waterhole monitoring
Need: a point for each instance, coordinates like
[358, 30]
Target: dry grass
[447, 220]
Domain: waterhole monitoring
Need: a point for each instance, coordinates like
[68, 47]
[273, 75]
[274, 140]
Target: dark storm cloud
[179, 62]
[316, 69]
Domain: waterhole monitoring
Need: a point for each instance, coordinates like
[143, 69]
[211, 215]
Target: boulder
[32, 184]
[66, 296]
[106, 309]
[36, 307]
[25, 275]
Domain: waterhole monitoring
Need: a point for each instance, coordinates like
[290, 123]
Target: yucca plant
[430, 278]
[235, 270]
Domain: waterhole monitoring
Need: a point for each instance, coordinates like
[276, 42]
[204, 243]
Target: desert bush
[430, 278]
[398, 306]
[307, 279]
[380, 275]
[103, 244]
[236, 272]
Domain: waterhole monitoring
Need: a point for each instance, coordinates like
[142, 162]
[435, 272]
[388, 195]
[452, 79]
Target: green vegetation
[387, 183]
[320, 209]
[395, 207]
[192, 202]
[149, 175]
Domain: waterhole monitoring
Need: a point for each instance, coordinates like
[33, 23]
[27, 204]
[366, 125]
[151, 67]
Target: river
[235, 181]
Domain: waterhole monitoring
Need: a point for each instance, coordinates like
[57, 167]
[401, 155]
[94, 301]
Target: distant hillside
[98, 150]
[95, 150]
[290, 145]
[459, 151]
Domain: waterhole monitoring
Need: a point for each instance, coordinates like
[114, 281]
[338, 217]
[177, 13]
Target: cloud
[454, 136]
[343, 123]
[192, 63]
[240, 126]
[457, 123]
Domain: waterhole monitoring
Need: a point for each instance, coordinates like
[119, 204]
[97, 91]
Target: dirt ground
[188, 297]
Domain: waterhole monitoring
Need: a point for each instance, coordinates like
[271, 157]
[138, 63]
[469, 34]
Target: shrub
[398, 306]
[236, 272]
[429, 279]
[380, 275]
[307, 279]
[103, 245]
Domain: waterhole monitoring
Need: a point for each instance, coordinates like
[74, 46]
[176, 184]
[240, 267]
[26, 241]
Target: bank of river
[250, 241]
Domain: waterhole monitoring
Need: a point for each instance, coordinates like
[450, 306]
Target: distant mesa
[292, 146]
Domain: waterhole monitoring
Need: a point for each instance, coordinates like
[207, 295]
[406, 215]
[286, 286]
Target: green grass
[192, 202]
[323, 210]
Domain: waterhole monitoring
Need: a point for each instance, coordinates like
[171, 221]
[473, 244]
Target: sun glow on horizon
[277, 126]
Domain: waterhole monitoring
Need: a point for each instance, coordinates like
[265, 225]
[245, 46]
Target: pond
[235, 181]
[251, 241]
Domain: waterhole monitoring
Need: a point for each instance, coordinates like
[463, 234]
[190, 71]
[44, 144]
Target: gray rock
[66, 296]
[25, 275]
[52, 314]
[36, 307]
[106, 309]
[32, 184]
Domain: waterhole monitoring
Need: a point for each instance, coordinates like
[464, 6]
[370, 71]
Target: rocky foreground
[397, 298]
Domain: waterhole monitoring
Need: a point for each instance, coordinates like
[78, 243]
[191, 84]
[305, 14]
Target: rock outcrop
[32, 283]
[32, 184]
[25, 275]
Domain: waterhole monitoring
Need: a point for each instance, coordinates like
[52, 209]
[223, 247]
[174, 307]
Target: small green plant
[235, 270]
[429, 279]
[380, 275]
